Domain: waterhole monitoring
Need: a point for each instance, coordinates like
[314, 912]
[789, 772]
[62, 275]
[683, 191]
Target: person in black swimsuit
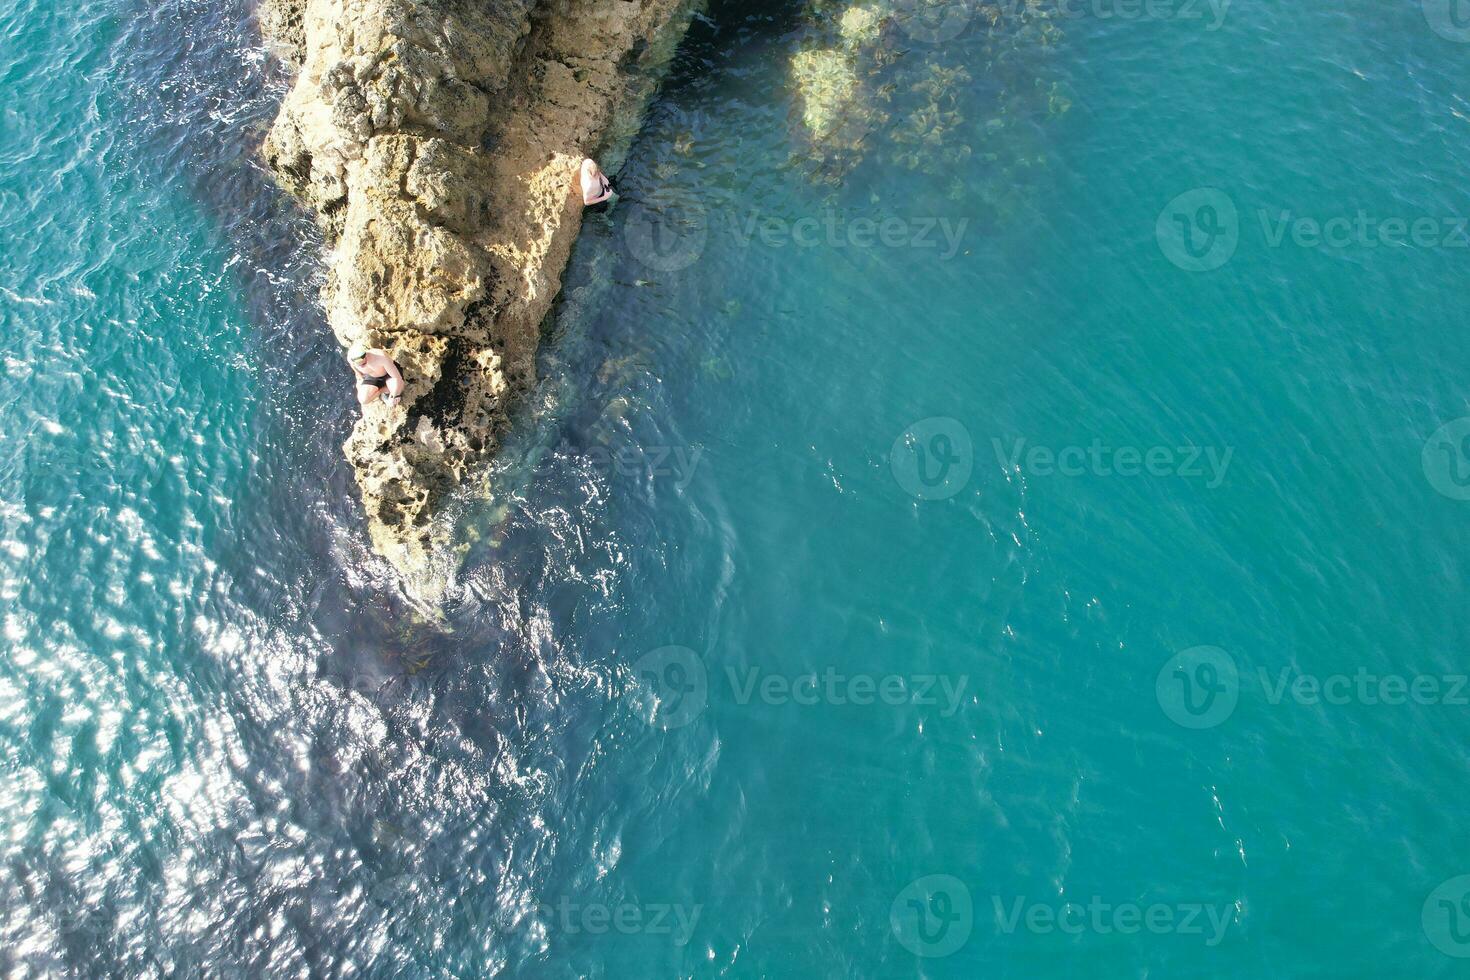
[376, 374]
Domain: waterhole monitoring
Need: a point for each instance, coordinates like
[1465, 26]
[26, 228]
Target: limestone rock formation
[438, 141]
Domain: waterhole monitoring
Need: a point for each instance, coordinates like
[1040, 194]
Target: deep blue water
[1017, 532]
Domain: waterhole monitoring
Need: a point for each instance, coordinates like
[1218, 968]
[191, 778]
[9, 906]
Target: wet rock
[443, 253]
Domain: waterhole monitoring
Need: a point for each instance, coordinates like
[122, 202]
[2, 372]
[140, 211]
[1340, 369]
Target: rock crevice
[437, 141]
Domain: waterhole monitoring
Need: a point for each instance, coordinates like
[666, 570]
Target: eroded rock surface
[438, 143]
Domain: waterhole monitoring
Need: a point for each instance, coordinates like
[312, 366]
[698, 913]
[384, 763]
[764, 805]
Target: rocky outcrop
[438, 143]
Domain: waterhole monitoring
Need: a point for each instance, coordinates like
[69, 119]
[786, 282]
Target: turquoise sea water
[1035, 602]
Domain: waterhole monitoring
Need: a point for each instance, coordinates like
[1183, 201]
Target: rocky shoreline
[437, 141]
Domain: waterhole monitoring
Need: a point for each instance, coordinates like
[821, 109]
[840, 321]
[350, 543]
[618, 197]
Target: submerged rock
[438, 143]
[828, 86]
[889, 75]
[861, 25]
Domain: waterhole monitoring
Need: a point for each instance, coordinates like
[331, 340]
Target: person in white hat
[376, 375]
